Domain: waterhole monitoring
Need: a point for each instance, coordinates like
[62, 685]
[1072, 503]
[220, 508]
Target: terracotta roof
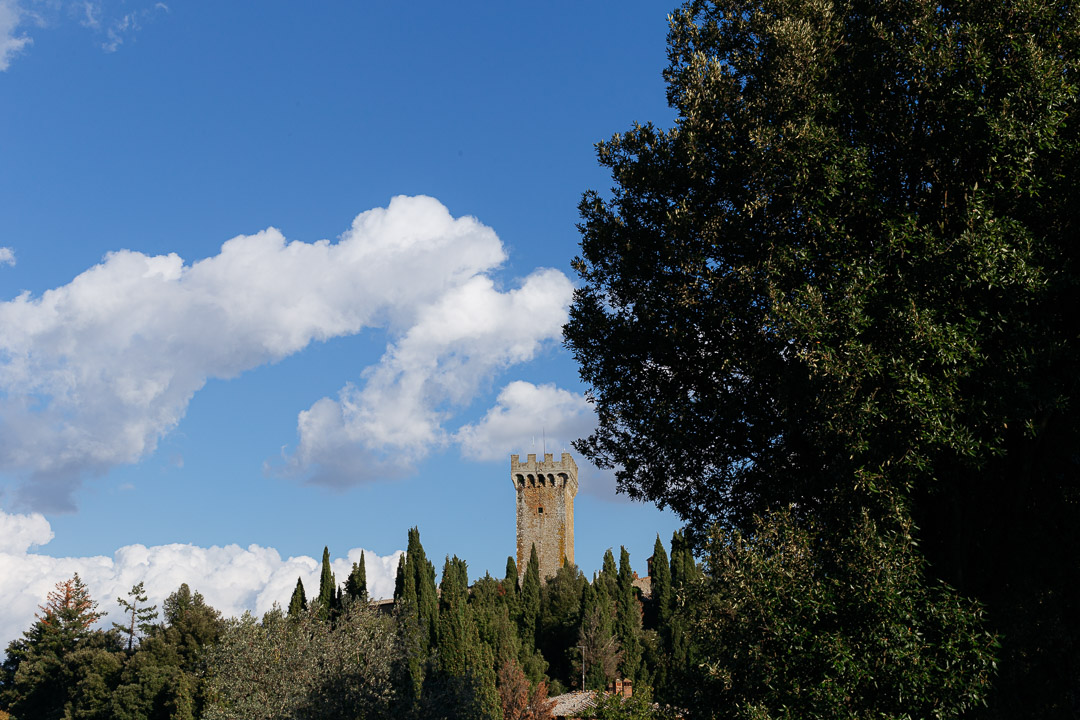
[572, 704]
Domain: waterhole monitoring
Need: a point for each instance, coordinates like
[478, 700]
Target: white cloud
[11, 41]
[231, 578]
[527, 418]
[19, 533]
[7, 256]
[94, 373]
[455, 345]
[523, 414]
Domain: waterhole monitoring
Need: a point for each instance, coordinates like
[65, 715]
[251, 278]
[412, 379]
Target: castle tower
[545, 510]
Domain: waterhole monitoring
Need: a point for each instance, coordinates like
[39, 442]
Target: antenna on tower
[544, 430]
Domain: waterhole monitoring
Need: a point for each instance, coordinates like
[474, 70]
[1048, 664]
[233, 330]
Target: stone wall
[545, 510]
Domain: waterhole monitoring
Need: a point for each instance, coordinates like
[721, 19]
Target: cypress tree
[511, 579]
[628, 619]
[511, 591]
[399, 580]
[530, 601]
[660, 580]
[421, 573]
[609, 574]
[417, 612]
[298, 601]
[356, 585]
[661, 606]
[598, 645]
[683, 571]
[453, 620]
[327, 584]
[532, 661]
[560, 619]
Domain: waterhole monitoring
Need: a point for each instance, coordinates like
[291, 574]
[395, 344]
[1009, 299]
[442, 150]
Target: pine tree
[141, 615]
[298, 601]
[61, 665]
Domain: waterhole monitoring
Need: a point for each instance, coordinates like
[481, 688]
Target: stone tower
[545, 510]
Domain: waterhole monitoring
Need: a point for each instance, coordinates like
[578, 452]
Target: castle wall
[545, 510]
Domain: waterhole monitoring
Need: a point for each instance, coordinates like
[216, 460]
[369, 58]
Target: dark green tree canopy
[298, 601]
[848, 259]
[356, 585]
[844, 280]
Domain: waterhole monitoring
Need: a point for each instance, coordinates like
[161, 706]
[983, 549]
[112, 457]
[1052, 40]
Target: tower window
[540, 510]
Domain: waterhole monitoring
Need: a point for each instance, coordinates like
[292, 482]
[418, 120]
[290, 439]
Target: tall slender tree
[356, 585]
[530, 600]
[661, 608]
[660, 586]
[628, 619]
[599, 653]
[298, 601]
[140, 615]
[327, 602]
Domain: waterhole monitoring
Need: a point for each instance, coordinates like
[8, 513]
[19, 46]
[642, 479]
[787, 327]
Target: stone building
[545, 510]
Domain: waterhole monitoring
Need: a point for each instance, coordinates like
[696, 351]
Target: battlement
[548, 464]
[545, 473]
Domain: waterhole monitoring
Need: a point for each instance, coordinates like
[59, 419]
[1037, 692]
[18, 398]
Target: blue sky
[191, 382]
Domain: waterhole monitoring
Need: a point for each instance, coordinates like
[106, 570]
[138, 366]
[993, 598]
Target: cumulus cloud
[231, 578]
[11, 40]
[522, 414]
[7, 256]
[94, 373]
[456, 343]
[525, 418]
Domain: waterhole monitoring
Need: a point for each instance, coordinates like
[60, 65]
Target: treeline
[490, 648]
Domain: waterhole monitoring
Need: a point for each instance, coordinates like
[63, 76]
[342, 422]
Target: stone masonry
[545, 510]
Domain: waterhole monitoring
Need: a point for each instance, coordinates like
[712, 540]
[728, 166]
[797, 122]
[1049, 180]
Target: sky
[280, 276]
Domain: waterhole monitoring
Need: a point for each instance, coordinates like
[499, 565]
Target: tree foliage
[356, 584]
[62, 666]
[305, 668]
[841, 281]
[519, 700]
[140, 615]
[298, 600]
[795, 625]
